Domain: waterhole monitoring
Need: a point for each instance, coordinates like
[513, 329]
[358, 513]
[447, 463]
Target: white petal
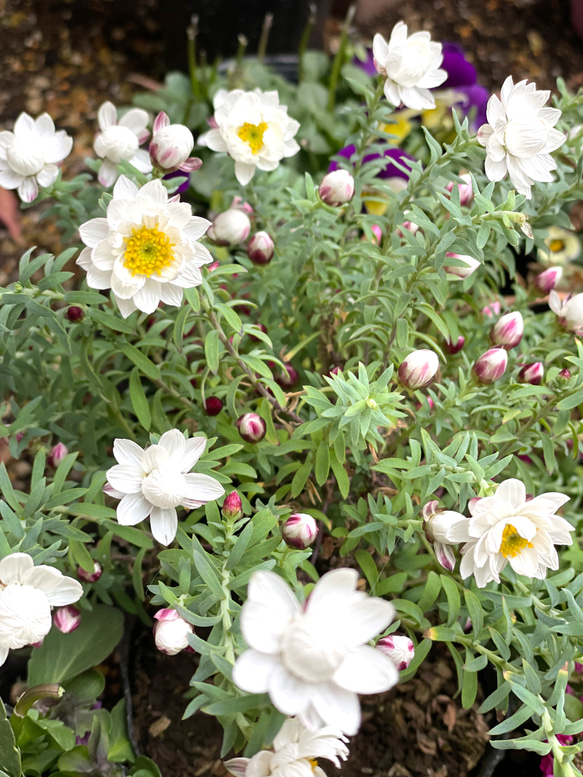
[512, 491]
[366, 670]
[262, 627]
[58, 589]
[164, 524]
[495, 170]
[213, 139]
[174, 442]
[133, 509]
[125, 189]
[135, 120]
[196, 227]
[244, 172]
[202, 488]
[273, 592]
[24, 126]
[10, 180]
[57, 147]
[252, 671]
[126, 306]
[288, 693]
[170, 294]
[335, 586]
[148, 297]
[126, 478]
[193, 450]
[337, 707]
[28, 190]
[141, 161]
[3, 654]
[14, 566]
[107, 173]
[48, 175]
[106, 116]
[94, 231]
[237, 766]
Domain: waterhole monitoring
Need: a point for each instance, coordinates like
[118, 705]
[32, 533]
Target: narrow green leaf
[139, 400]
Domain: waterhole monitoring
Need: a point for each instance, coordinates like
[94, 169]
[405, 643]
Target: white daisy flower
[519, 136]
[121, 140]
[29, 155]
[562, 247]
[27, 594]
[155, 481]
[146, 250]
[313, 659]
[295, 750]
[411, 67]
[253, 128]
[569, 312]
[508, 528]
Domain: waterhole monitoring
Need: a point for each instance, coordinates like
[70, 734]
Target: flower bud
[260, 248]
[240, 204]
[491, 310]
[171, 145]
[549, 279]
[67, 619]
[212, 405]
[469, 265]
[335, 371]
[419, 369]
[263, 328]
[465, 189]
[456, 347]
[441, 528]
[214, 266]
[171, 632]
[289, 377]
[232, 506]
[490, 366]
[251, 427]
[57, 454]
[507, 331]
[230, 227]
[398, 648]
[75, 314]
[337, 188]
[565, 374]
[532, 373]
[377, 234]
[299, 531]
[90, 577]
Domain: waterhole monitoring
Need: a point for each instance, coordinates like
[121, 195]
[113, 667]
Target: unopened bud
[251, 427]
[212, 405]
[230, 227]
[464, 268]
[213, 266]
[56, 455]
[67, 619]
[377, 234]
[549, 279]
[398, 648]
[90, 577]
[299, 531]
[507, 331]
[465, 189]
[419, 369]
[565, 374]
[171, 146]
[337, 188]
[171, 632]
[289, 377]
[260, 248]
[232, 506]
[491, 310]
[490, 366]
[456, 347]
[240, 204]
[532, 373]
[75, 314]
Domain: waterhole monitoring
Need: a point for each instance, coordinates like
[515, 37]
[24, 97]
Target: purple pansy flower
[389, 171]
[183, 186]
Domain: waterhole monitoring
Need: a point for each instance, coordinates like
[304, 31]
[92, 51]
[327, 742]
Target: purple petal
[460, 72]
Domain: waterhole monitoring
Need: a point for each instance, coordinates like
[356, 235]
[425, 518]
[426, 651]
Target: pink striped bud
[549, 279]
[532, 373]
[214, 266]
[171, 632]
[490, 366]
[57, 454]
[230, 227]
[90, 577]
[419, 369]
[466, 265]
[240, 204]
[251, 427]
[507, 331]
[565, 374]
[260, 248]
[232, 506]
[337, 188]
[491, 310]
[288, 378]
[67, 619]
[171, 145]
[377, 234]
[299, 531]
[398, 648]
[465, 189]
[456, 347]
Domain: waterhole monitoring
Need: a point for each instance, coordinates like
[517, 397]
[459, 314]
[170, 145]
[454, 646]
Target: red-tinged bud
[240, 204]
[90, 577]
[230, 228]
[299, 531]
[465, 189]
[491, 310]
[262, 328]
[507, 331]
[466, 265]
[398, 648]
[565, 374]
[213, 266]
[260, 248]
[549, 279]
[232, 506]
[490, 366]
[212, 405]
[75, 314]
[377, 234]
[337, 188]
[532, 373]
[335, 371]
[456, 347]
[171, 145]
[67, 619]
[57, 454]
[251, 427]
[289, 377]
[171, 632]
[419, 369]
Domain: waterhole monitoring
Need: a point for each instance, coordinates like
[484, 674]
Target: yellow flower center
[253, 134]
[556, 245]
[148, 251]
[512, 543]
[314, 763]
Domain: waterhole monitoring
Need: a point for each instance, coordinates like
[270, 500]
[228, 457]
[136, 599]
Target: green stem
[339, 58]
[265, 30]
[312, 9]
[191, 33]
